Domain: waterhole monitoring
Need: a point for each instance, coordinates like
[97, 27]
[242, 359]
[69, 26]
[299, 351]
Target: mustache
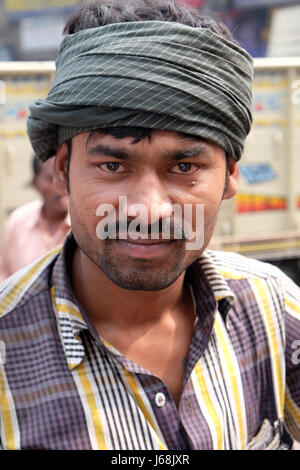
[161, 228]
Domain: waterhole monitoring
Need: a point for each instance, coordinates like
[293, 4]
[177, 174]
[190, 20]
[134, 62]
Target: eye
[184, 167]
[111, 167]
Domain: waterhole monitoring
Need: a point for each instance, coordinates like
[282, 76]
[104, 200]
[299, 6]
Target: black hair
[103, 12]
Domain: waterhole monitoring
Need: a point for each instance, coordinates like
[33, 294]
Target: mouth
[145, 248]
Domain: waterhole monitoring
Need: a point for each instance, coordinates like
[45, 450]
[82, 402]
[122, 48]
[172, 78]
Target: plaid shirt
[63, 387]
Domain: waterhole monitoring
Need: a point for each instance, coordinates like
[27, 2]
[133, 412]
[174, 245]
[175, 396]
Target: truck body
[263, 220]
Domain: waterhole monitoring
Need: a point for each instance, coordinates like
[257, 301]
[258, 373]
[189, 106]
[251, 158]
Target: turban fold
[151, 74]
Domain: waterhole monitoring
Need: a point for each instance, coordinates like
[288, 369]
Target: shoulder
[23, 212]
[261, 277]
[19, 289]
[25, 209]
[235, 266]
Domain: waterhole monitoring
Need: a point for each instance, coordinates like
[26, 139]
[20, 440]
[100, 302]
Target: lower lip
[138, 250]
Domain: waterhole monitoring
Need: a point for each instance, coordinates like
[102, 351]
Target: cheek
[88, 191]
[211, 208]
[209, 196]
[83, 221]
[85, 199]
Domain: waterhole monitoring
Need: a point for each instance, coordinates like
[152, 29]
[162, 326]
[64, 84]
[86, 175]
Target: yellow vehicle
[20, 83]
[263, 221]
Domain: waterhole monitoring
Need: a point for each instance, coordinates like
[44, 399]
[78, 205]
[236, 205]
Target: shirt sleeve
[292, 352]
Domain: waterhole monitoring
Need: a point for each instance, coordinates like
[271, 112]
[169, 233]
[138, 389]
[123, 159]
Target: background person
[37, 227]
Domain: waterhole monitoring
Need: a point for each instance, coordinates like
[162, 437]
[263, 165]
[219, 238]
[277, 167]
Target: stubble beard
[143, 274]
[137, 274]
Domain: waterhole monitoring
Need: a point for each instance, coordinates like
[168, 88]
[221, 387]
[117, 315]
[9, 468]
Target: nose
[149, 200]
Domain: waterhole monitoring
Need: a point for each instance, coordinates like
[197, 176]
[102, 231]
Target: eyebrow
[112, 152]
[121, 154]
[198, 151]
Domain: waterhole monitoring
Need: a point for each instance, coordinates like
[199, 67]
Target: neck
[51, 216]
[105, 302]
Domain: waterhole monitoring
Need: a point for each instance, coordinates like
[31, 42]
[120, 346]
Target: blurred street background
[32, 29]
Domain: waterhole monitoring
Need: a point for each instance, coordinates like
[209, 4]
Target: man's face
[167, 170]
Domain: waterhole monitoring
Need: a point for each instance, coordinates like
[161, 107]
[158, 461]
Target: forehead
[159, 139]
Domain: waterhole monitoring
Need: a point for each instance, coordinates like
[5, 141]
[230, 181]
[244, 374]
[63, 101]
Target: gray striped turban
[151, 74]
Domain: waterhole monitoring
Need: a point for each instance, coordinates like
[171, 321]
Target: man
[133, 336]
[37, 227]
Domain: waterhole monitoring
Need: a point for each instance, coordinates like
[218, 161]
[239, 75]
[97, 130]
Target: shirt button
[160, 399]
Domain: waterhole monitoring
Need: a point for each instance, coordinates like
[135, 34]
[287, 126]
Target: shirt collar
[69, 313]
[217, 283]
[208, 286]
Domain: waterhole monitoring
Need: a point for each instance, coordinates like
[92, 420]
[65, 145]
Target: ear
[33, 183]
[233, 176]
[60, 170]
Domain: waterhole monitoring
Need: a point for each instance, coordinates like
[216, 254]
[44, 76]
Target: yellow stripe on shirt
[292, 415]
[92, 413]
[24, 281]
[276, 352]
[232, 275]
[63, 307]
[293, 408]
[232, 372]
[11, 438]
[207, 407]
[294, 309]
[137, 394]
